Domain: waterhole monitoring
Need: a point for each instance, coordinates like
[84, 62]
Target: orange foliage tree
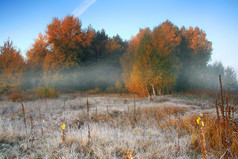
[128, 58]
[11, 66]
[149, 61]
[67, 40]
[194, 54]
[35, 59]
[66, 52]
[166, 38]
[37, 53]
[165, 57]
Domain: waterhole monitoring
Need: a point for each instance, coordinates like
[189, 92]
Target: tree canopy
[11, 66]
[155, 61]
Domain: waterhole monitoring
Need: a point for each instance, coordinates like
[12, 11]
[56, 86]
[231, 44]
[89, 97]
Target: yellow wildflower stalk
[63, 129]
[202, 136]
[63, 137]
[63, 126]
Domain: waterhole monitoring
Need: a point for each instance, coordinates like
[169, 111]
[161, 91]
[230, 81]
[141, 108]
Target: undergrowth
[46, 92]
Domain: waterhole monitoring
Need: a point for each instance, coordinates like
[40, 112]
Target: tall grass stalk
[42, 131]
[24, 116]
[88, 116]
[134, 114]
[226, 130]
[217, 110]
[31, 121]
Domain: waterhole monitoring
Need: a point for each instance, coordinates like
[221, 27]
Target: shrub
[15, 94]
[110, 90]
[118, 85]
[94, 91]
[46, 92]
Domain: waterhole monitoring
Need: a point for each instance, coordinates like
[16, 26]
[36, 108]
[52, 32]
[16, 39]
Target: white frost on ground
[106, 140]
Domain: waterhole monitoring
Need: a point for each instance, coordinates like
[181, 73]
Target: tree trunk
[159, 92]
[149, 97]
[153, 88]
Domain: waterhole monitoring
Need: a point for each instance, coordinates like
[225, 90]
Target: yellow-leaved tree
[148, 63]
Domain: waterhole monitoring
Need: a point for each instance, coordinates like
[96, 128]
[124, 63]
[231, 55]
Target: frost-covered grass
[163, 128]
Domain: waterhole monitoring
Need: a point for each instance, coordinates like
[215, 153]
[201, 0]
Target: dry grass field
[110, 127]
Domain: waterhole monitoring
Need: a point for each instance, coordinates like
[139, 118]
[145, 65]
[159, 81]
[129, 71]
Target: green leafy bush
[46, 92]
[94, 91]
[110, 90]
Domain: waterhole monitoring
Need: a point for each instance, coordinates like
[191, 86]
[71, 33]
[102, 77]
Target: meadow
[117, 126]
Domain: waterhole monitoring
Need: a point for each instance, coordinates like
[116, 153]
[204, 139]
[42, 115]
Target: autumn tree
[143, 72]
[166, 41]
[128, 58]
[35, 59]
[113, 45]
[194, 53]
[67, 40]
[68, 43]
[67, 53]
[37, 53]
[149, 62]
[174, 56]
[166, 38]
[11, 66]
